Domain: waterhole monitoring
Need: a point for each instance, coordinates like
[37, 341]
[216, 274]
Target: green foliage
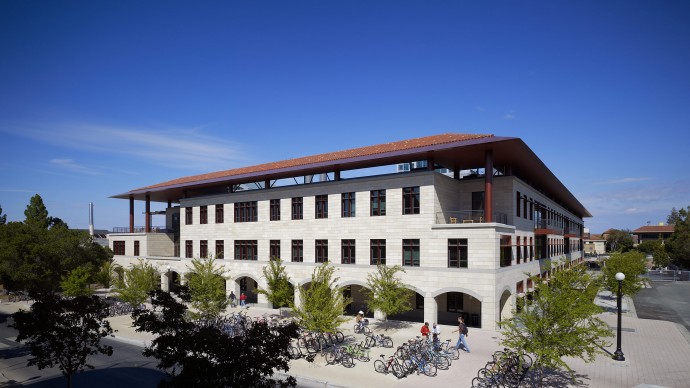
[385, 291]
[77, 282]
[321, 304]
[632, 264]
[3, 217]
[36, 213]
[674, 217]
[207, 289]
[661, 257]
[207, 356]
[560, 321]
[679, 243]
[619, 241]
[138, 280]
[64, 332]
[280, 293]
[108, 273]
[649, 246]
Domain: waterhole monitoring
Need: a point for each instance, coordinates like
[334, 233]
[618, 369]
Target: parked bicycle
[378, 340]
[337, 354]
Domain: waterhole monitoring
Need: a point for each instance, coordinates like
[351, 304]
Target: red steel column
[488, 186]
[148, 214]
[131, 214]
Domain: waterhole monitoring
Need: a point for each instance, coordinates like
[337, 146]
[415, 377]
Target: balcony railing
[468, 217]
[549, 224]
[141, 229]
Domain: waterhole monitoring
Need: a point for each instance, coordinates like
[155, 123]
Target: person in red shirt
[243, 300]
[425, 330]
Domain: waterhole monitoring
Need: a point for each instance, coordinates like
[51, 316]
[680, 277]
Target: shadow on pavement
[555, 379]
[105, 378]
[391, 325]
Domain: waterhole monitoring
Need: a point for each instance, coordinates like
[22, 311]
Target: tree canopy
[280, 292]
[559, 321]
[36, 213]
[3, 217]
[679, 242]
[321, 303]
[619, 240]
[64, 332]
[385, 291]
[138, 280]
[207, 288]
[632, 264]
[76, 283]
[206, 356]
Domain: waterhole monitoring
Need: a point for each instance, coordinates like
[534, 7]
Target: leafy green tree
[138, 280]
[649, 246]
[280, 292]
[64, 332]
[3, 217]
[77, 282]
[207, 288]
[206, 356]
[632, 264]
[673, 217]
[385, 291]
[619, 241]
[36, 213]
[560, 321]
[679, 242]
[322, 303]
[107, 273]
[661, 257]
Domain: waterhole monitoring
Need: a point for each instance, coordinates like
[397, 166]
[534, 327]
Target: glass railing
[468, 217]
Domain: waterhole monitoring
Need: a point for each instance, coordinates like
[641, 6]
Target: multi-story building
[466, 241]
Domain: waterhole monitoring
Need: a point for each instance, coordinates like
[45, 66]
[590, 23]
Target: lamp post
[618, 355]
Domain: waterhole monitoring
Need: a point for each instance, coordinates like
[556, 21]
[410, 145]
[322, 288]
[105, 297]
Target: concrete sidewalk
[657, 354]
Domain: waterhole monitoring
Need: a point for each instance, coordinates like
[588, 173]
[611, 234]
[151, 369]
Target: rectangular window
[220, 213]
[348, 205]
[506, 251]
[274, 250]
[457, 253]
[188, 249]
[297, 250]
[411, 200]
[246, 211]
[411, 252]
[531, 248]
[275, 209]
[322, 206]
[188, 216]
[203, 248]
[321, 251]
[119, 248]
[524, 207]
[245, 250]
[220, 249]
[377, 203]
[378, 252]
[203, 214]
[297, 208]
[531, 209]
[348, 251]
[136, 248]
[518, 250]
[517, 204]
[454, 302]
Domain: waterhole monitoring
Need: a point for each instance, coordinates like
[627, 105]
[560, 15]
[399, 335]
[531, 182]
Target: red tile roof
[655, 229]
[329, 157]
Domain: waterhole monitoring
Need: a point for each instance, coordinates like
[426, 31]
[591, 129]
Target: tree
[679, 242]
[560, 321]
[77, 282]
[279, 292]
[386, 292]
[36, 213]
[619, 240]
[661, 257]
[648, 246]
[138, 280]
[322, 303]
[673, 217]
[206, 356]
[64, 332]
[107, 273]
[207, 289]
[632, 264]
[3, 217]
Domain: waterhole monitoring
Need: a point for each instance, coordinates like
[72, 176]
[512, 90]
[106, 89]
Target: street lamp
[618, 355]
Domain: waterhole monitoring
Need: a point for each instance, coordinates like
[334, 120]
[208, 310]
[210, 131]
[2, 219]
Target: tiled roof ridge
[655, 228]
[327, 157]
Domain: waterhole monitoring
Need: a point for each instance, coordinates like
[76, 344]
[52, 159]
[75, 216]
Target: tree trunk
[69, 380]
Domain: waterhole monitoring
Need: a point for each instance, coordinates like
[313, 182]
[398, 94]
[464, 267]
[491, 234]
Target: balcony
[468, 217]
[543, 227]
[141, 229]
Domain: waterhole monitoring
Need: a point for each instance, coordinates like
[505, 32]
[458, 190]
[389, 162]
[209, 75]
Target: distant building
[654, 232]
[594, 244]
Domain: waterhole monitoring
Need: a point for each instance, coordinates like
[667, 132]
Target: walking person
[232, 298]
[243, 300]
[462, 329]
[436, 333]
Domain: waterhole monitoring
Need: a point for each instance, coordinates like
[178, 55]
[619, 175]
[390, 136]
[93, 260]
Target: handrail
[141, 229]
[468, 216]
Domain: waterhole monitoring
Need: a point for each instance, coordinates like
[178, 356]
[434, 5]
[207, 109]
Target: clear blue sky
[100, 97]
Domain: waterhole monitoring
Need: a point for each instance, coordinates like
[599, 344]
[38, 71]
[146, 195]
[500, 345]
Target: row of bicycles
[420, 356]
[506, 369]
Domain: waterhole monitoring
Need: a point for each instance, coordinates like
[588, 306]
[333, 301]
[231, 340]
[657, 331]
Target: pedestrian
[425, 330]
[232, 298]
[462, 329]
[243, 300]
[435, 333]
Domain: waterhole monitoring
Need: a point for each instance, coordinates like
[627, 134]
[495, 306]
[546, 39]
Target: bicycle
[358, 351]
[378, 340]
[392, 365]
[338, 354]
[362, 327]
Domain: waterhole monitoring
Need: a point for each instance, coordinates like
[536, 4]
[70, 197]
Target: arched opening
[504, 305]
[358, 300]
[417, 312]
[174, 282]
[454, 304]
[249, 287]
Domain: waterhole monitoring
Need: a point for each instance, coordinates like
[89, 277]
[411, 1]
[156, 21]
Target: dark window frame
[246, 250]
[347, 205]
[348, 251]
[321, 206]
[377, 251]
[321, 251]
[203, 248]
[136, 248]
[411, 197]
[220, 249]
[410, 247]
[297, 251]
[188, 216]
[274, 249]
[203, 214]
[458, 253]
[119, 248]
[189, 249]
[377, 203]
[297, 208]
[246, 211]
[220, 213]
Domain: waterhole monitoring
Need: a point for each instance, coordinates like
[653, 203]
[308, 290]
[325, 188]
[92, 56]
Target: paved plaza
[657, 353]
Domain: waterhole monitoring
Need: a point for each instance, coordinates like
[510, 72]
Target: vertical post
[488, 186]
[148, 214]
[131, 214]
[618, 355]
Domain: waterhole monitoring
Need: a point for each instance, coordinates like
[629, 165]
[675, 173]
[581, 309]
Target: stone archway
[452, 304]
[505, 311]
